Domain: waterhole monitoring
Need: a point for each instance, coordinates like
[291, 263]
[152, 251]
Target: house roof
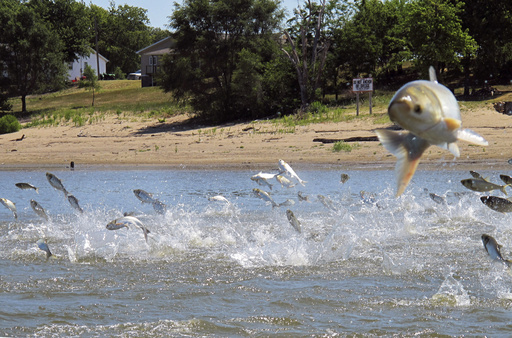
[93, 51]
[158, 48]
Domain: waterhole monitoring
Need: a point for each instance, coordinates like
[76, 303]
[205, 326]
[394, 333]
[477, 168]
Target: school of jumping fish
[427, 111]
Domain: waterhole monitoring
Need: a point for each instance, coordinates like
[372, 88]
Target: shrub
[9, 124]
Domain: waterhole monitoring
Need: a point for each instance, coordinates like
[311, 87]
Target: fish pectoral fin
[452, 124]
[470, 136]
[407, 148]
[454, 149]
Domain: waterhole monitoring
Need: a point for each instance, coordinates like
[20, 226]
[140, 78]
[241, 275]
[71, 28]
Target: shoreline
[348, 166]
[116, 143]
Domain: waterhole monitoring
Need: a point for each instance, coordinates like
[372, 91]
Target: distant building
[150, 58]
[77, 67]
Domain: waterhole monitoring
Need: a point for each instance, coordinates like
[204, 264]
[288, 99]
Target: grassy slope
[126, 97]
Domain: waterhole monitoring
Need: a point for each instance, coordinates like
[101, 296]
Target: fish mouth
[399, 108]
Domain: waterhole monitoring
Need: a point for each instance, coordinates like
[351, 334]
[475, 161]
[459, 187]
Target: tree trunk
[23, 103]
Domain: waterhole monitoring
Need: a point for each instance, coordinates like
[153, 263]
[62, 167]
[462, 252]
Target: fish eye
[417, 109]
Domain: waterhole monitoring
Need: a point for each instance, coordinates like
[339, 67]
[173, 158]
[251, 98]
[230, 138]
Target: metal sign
[362, 84]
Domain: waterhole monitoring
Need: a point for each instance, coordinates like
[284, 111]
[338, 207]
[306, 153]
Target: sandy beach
[117, 141]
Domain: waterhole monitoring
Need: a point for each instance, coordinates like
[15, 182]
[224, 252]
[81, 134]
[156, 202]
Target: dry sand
[118, 141]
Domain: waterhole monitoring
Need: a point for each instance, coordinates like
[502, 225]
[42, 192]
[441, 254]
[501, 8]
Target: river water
[371, 265]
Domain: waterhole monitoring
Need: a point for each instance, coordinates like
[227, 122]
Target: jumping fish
[302, 197]
[477, 184]
[430, 112]
[262, 179]
[38, 209]
[436, 198]
[494, 249]
[26, 186]
[143, 196]
[326, 202]
[74, 203]
[56, 183]
[476, 175]
[285, 168]
[44, 246]
[293, 221]
[344, 178]
[284, 181]
[497, 203]
[115, 225]
[265, 196]
[9, 205]
[159, 207]
[218, 198]
[127, 221]
[506, 179]
[287, 203]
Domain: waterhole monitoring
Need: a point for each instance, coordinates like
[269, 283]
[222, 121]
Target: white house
[77, 67]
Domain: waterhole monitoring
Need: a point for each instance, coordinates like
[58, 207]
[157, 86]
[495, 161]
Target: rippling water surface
[375, 265]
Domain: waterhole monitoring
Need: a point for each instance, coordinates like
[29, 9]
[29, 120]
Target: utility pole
[97, 52]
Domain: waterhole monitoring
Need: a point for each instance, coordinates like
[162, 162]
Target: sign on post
[361, 85]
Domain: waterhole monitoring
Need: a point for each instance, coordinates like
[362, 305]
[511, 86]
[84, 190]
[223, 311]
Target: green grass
[130, 102]
[343, 146]
[122, 97]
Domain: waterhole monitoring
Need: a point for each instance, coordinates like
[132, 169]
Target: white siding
[77, 68]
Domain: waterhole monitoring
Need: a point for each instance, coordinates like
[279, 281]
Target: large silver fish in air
[38, 209]
[56, 183]
[10, 205]
[430, 112]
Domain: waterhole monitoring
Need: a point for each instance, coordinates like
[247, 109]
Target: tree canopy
[33, 57]
[221, 48]
[240, 59]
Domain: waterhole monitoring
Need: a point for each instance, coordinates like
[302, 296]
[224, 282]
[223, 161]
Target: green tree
[122, 31]
[90, 81]
[32, 55]
[221, 48]
[435, 33]
[308, 45]
[490, 23]
[69, 20]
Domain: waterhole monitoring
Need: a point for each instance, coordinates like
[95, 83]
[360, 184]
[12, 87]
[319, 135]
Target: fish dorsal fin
[432, 74]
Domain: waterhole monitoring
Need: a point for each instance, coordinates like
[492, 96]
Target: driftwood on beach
[348, 139]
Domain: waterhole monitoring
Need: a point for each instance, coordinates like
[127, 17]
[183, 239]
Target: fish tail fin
[408, 149]
[48, 254]
[503, 189]
[37, 190]
[303, 183]
[508, 263]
